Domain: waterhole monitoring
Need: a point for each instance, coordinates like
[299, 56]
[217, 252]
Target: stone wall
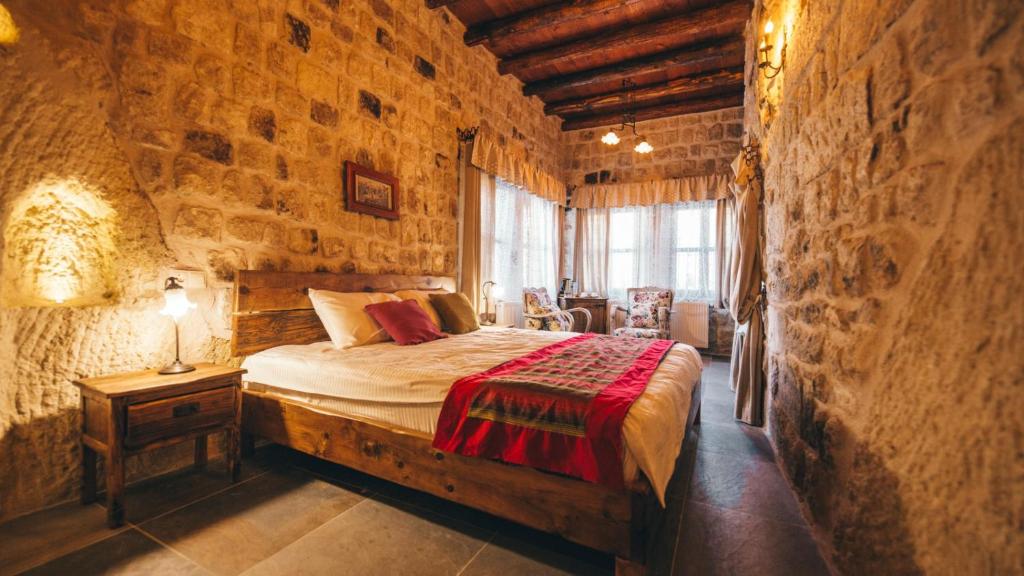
[690, 145]
[894, 214]
[139, 136]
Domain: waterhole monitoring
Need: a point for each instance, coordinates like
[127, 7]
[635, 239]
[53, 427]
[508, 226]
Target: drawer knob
[186, 409]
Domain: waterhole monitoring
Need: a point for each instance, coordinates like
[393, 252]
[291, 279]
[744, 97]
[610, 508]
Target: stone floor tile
[233, 530]
[42, 536]
[735, 438]
[716, 541]
[506, 555]
[380, 537]
[155, 496]
[129, 553]
[745, 484]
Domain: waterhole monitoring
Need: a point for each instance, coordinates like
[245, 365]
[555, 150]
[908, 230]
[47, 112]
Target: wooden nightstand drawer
[179, 415]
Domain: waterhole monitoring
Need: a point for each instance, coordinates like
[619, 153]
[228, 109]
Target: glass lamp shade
[176, 303]
[611, 138]
[644, 147]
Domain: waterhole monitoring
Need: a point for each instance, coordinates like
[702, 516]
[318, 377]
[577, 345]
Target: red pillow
[405, 321]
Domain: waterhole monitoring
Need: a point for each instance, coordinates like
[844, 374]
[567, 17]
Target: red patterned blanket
[559, 408]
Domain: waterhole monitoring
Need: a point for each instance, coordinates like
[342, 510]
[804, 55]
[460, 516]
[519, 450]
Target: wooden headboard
[273, 308]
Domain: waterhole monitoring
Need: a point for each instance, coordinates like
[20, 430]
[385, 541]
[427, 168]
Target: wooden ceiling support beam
[432, 4]
[619, 100]
[711, 56]
[559, 13]
[719, 21]
[687, 106]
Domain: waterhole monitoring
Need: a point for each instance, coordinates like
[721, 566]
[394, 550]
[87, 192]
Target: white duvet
[406, 386]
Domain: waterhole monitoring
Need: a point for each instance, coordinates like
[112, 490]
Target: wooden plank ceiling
[682, 56]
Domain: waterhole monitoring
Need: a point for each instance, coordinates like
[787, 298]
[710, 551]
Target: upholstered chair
[647, 313]
[541, 313]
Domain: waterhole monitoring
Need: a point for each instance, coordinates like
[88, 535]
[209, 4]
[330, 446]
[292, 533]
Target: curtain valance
[687, 189]
[514, 167]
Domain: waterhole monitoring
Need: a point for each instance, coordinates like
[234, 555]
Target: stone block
[425, 68]
[198, 222]
[297, 31]
[369, 103]
[303, 240]
[209, 145]
[262, 123]
[324, 114]
[333, 246]
[317, 83]
[385, 41]
[170, 47]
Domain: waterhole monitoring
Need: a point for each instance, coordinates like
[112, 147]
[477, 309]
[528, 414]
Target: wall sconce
[9, 33]
[765, 49]
[176, 305]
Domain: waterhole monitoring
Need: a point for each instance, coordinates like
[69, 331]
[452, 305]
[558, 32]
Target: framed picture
[370, 192]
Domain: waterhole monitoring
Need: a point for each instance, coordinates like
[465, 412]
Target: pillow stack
[407, 316]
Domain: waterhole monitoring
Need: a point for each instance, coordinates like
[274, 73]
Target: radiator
[689, 323]
[509, 313]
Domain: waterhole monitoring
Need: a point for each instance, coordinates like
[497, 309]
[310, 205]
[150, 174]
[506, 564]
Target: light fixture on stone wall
[9, 33]
[629, 120]
[176, 305]
[765, 50]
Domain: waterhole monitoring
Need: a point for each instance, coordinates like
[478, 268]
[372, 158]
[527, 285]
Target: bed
[374, 408]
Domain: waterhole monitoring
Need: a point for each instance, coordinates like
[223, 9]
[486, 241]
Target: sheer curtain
[519, 233]
[665, 245]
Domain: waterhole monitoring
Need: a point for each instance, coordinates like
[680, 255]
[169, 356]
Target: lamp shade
[611, 138]
[176, 302]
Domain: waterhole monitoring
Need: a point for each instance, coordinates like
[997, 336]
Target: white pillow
[343, 316]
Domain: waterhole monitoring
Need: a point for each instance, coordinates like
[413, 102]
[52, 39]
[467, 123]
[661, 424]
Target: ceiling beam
[726, 19]
[565, 12]
[688, 106]
[440, 3]
[692, 60]
[620, 100]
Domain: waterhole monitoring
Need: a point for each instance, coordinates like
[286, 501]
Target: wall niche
[59, 246]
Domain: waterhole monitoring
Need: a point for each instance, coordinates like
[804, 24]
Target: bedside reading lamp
[176, 305]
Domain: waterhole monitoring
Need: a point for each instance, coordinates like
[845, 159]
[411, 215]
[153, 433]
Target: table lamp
[176, 305]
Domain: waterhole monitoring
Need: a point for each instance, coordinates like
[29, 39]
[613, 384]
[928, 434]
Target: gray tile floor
[293, 514]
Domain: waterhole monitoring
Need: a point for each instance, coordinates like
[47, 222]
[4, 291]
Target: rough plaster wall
[689, 145]
[215, 131]
[894, 214]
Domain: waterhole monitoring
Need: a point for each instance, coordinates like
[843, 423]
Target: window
[523, 241]
[665, 245]
[695, 261]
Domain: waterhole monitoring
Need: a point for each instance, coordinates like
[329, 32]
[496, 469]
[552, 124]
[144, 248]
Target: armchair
[541, 313]
[647, 315]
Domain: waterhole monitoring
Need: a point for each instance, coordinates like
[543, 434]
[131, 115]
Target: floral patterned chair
[541, 313]
[647, 315]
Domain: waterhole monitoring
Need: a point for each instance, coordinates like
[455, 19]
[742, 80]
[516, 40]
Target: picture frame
[370, 192]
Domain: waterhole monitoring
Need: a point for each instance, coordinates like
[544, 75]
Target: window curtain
[745, 302]
[521, 240]
[593, 239]
[724, 231]
[642, 249]
[469, 271]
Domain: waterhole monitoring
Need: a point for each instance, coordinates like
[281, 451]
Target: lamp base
[177, 368]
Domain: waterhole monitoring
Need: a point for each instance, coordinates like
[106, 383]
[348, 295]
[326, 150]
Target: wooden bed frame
[272, 309]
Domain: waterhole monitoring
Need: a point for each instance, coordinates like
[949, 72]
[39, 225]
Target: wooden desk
[125, 414]
[598, 308]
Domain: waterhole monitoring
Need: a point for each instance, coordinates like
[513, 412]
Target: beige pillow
[422, 297]
[343, 316]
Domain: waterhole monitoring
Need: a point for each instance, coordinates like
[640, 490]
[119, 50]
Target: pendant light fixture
[629, 119]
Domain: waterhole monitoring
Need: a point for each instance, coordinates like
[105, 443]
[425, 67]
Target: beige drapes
[745, 301]
[469, 231]
[687, 189]
[593, 239]
[724, 219]
[515, 166]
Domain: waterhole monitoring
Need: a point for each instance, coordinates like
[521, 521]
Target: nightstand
[126, 414]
